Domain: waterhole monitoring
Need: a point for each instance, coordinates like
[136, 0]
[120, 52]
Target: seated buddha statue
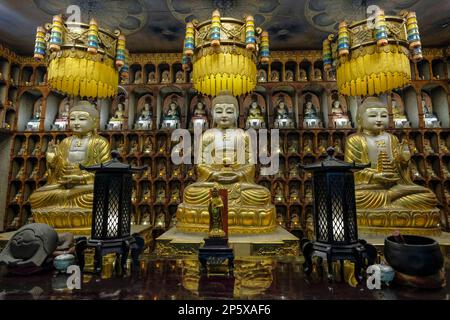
[160, 195]
[134, 149]
[144, 122]
[147, 148]
[280, 220]
[36, 150]
[337, 146]
[386, 197]
[274, 76]
[65, 201]
[293, 146]
[171, 119]
[62, 121]
[302, 75]
[255, 117]
[262, 75]
[199, 118]
[34, 173]
[146, 218]
[339, 118]
[430, 119]
[317, 74]
[293, 170]
[307, 145]
[225, 157]
[308, 193]
[116, 121]
[295, 221]
[175, 195]
[311, 117]
[179, 77]
[165, 77]
[23, 149]
[289, 76]
[279, 193]
[283, 119]
[20, 173]
[33, 123]
[151, 78]
[138, 77]
[415, 173]
[400, 119]
[294, 197]
[430, 171]
[445, 171]
[427, 148]
[443, 147]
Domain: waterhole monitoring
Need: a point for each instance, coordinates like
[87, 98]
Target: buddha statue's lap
[249, 205]
[65, 202]
[386, 197]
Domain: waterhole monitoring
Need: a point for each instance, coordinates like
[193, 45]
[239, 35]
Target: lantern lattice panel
[337, 207]
[127, 189]
[99, 193]
[321, 203]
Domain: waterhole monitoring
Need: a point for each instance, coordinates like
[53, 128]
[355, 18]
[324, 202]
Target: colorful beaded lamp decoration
[224, 53]
[83, 59]
[372, 56]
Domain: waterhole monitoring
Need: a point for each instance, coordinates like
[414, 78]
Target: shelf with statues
[162, 74]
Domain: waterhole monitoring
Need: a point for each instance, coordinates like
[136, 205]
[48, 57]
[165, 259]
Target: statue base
[280, 242]
[213, 253]
[387, 220]
[74, 220]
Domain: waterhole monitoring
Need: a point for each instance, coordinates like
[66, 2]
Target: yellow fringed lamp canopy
[373, 56]
[83, 60]
[224, 53]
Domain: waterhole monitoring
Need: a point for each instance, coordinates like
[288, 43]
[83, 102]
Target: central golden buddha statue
[222, 166]
[386, 198]
[65, 202]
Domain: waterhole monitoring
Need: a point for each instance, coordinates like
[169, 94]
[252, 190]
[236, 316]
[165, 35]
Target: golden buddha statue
[443, 147]
[412, 147]
[147, 148]
[295, 221]
[279, 193]
[322, 147]
[337, 146]
[294, 196]
[176, 172]
[225, 163]
[255, 117]
[293, 146]
[17, 196]
[280, 220]
[175, 195]
[160, 221]
[293, 170]
[307, 145]
[65, 201]
[386, 197]
[134, 149]
[146, 218]
[427, 148]
[308, 193]
[160, 196]
[20, 173]
[34, 173]
[162, 173]
[37, 150]
[23, 150]
[415, 171]
[147, 194]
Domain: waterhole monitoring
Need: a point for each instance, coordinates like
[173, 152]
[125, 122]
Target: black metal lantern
[111, 212]
[335, 222]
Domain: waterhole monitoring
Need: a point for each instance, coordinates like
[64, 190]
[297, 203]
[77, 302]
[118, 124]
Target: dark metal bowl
[418, 256]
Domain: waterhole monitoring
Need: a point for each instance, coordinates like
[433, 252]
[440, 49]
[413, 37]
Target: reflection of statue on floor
[65, 202]
[249, 205]
[385, 195]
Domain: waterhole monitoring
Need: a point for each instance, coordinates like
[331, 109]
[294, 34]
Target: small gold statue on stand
[146, 217]
[18, 197]
[134, 148]
[20, 173]
[415, 171]
[443, 147]
[307, 145]
[293, 170]
[160, 220]
[35, 173]
[293, 146]
[37, 150]
[160, 196]
[175, 195]
[279, 194]
[308, 193]
[147, 194]
[294, 196]
[162, 173]
[147, 149]
[215, 215]
[427, 148]
[23, 150]
[280, 219]
[295, 221]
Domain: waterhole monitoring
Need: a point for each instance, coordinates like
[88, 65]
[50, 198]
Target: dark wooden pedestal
[214, 252]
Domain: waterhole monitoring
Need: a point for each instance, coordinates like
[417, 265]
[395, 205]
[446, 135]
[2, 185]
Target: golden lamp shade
[373, 56]
[83, 60]
[224, 53]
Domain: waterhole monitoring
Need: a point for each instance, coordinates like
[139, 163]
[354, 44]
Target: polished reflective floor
[174, 279]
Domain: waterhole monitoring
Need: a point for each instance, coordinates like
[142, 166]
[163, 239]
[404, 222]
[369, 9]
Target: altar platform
[278, 243]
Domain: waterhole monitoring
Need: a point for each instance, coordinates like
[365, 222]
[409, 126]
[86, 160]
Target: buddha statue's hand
[71, 180]
[225, 177]
[385, 179]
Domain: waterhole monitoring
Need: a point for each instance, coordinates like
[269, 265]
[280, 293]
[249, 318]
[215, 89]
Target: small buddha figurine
[289, 77]
[427, 148]
[443, 147]
[20, 173]
[171, 119]
[179, 77]
[308, 193]
[34, 173]
[337, 145]
[160, 195]
[445, 171]
[339, 118]
[282, 117]
[144, 121]
[412, 147]
[311, 117]
[138, 77]
[191, 172]
[199, 118]
[249, 204]
[280, 220]
[162, 145]
[309, 225]
[62, 121]
[386, 187]
[255, 118]
[307, 145]
[160, 221]
[151, 78]
[317, 75]
[295, 221]
[165, 78]
[323, 146]
[400, 119]
[65, 201]
[262, 75]
[37, 150]
[161, 170]
[147, 173]
[302, 75]
[33, 124]
[279, 194]
[430, 119]
[15, 223]
[146, 218]
[293, 170]
[147, 194]
[116, 121]
[274, 76]
[430, 171]
[133, 221]
[23, 150]
[415, 171]
[147, 148]
[134, 148]
[18, 197]
[134, 196]
[121, 148]
[176, 172]
[175, 195]
[294, 196]
[293, 146]
[280, 172]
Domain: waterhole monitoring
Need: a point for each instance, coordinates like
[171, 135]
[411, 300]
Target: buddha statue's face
[336, 104]
[25, 244]
[200, 106]
[173, 106]
[146, 107]
[120, 107]
[375, 119]
[281, 105]
[254, 104]
[81, 122]
[224, 115]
